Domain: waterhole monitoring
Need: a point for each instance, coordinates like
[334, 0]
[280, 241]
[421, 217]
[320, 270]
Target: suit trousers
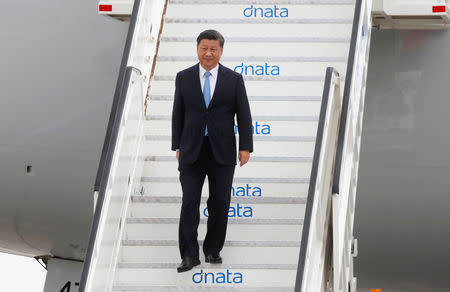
[192, 177]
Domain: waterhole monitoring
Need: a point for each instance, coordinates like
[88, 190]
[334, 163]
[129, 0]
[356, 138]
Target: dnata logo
[269, 12]
[227, 277]
[236, 211]
[246, 191]
[257, 129]
[258, 70]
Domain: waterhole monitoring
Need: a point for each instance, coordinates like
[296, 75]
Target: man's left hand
[244, 156]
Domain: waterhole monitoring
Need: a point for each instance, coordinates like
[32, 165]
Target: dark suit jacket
[190, 115]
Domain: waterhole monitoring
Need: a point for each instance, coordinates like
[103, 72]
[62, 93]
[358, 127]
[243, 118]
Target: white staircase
[283, 49]
[289, 56]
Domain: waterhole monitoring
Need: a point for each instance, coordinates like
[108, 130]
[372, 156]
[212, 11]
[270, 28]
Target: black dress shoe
[213, 258]
[187, 263]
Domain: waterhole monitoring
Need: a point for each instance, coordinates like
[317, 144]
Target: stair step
[256, 138]
[289, 49]
[233, 243]
[323, 59]
[265, 2]
[255, 31]
[230, 254]
[160, 148]
[301, 110]
[175, 220]
[244, 39]
[163, 277]
[255, 87]
[242, 200]
[255, 98]
[173, 265]
[237, 211]
[126, 288]
[245, 21]
[254, 158]
[275, 79]
[245, 180]
[256, 232]
[170, 68]
[256, 117]
[244, 10]
[252, 191]
[262, 128]
[256, 168]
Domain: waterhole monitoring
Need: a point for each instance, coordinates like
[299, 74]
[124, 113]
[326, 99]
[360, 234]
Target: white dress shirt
[212, 78]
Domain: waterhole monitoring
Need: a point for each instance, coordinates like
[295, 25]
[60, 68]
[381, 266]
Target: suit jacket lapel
[219, 84]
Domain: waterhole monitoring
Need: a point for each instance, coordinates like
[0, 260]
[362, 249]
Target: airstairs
[304, 64]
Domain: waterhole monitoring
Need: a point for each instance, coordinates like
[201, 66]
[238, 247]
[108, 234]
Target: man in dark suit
[207, 98]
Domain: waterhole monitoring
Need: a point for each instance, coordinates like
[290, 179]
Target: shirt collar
[213, 71]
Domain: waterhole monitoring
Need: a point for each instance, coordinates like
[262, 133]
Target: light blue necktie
[207, 94]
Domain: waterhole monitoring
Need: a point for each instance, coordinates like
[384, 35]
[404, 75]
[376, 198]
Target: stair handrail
[316, 214]
[335, 240]
[347, 158]
[114, 107]
[349, 78]
[120, 168]
[124, 166]
[108, 151]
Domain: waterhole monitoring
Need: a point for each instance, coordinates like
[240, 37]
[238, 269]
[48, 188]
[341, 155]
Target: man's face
[209, 53]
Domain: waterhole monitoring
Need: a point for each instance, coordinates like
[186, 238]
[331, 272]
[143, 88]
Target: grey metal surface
[403, 201]
[59, 64]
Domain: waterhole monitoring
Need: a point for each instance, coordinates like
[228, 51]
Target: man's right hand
[178, 154]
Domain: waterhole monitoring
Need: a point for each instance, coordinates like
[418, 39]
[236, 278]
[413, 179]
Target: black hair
[211, 34]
